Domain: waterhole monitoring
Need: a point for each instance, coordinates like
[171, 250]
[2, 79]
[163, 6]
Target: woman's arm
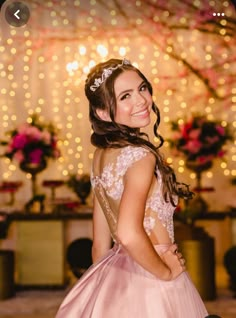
[101, 232]
[130, 231]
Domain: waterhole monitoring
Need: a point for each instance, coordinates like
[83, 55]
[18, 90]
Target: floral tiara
[106, 73]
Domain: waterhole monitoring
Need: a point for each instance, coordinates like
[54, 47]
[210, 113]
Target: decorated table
[40, 241]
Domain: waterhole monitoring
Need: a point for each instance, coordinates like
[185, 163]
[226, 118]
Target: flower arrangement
[32, 142]
[198, 139]
[81, 185]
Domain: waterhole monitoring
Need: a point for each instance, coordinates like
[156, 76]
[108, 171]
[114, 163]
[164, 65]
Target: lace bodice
[109, 186]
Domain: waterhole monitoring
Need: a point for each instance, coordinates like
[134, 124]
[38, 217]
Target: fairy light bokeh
[44, 64]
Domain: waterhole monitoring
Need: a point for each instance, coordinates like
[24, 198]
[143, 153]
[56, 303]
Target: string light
[64, 69]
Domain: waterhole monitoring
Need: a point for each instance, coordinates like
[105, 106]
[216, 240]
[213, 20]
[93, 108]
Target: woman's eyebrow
[130, 90]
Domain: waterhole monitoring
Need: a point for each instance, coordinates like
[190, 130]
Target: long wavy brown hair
[109, 134]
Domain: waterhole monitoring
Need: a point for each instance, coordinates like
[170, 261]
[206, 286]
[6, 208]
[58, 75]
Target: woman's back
[108, 178]
[116, 285]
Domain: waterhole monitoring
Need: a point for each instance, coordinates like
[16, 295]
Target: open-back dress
[116, 286]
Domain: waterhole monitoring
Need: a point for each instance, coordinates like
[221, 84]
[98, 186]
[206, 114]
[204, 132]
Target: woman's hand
[174, 260]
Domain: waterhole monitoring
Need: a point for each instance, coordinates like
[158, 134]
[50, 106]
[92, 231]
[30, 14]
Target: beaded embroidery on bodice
[164, 210]
[111, 180]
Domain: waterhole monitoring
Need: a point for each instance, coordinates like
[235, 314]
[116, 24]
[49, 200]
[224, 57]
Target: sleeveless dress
[118, 287]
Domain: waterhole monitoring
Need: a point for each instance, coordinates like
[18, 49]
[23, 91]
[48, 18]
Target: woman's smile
[142, 113]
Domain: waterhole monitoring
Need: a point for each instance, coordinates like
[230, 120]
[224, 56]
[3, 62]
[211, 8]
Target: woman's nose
[140, 99]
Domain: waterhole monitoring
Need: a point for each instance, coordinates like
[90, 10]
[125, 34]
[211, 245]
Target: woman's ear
[103, 114]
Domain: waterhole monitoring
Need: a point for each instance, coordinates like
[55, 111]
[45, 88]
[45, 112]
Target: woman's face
[133, 100]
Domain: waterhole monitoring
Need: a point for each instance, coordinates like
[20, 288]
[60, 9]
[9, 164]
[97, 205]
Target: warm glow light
[102, 50]
[45, 72]
[180, 169]
[166, 119]
[122, 51]
[82, 50]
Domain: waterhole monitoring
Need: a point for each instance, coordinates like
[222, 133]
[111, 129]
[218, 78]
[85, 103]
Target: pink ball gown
[116, 286]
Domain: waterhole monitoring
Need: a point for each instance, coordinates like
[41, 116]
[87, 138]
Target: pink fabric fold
[118, 287]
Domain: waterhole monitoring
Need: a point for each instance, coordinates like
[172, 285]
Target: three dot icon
[218, 14]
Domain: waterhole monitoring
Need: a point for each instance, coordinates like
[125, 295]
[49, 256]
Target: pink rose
[46, 137]
[19, 156]
[220, 130]
[195, 133]
[23, 128]
[193, 146]
[19, 141]
[34, 133]
[221, 153]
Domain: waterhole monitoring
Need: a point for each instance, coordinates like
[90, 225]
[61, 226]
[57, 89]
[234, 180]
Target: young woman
[135, 194]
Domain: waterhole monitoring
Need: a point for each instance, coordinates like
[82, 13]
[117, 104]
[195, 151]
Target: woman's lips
[141, 113]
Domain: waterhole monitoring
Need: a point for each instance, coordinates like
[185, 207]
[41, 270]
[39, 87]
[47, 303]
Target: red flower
[19, 141]
[220, 130]
[185, 130]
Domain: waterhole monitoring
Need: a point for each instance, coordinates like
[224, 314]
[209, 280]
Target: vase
[198, 249]
[10, 187]
[198, 169]
[82, 190]
[53, 184]
[33, 169]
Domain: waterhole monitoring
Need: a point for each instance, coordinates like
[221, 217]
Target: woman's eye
[125, 96]
[143, 87]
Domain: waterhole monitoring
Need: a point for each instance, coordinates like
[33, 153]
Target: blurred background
[187, 51]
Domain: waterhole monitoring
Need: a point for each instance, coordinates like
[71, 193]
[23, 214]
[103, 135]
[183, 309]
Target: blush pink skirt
[118, 287]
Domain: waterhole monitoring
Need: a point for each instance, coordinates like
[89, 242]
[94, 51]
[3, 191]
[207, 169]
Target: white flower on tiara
[106, 73]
